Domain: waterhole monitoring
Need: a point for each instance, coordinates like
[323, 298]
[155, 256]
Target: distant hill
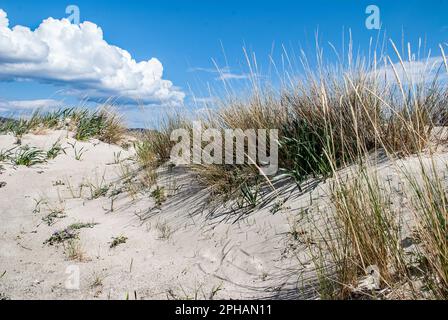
[2, 119]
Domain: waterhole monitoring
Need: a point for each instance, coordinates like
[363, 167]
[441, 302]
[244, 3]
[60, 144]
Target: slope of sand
[188, 247]
[178, 250]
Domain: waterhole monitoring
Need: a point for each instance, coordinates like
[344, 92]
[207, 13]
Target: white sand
[201, 258]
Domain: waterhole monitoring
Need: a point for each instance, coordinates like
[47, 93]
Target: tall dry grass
[428, 191]
[333, 117]
[327, 118]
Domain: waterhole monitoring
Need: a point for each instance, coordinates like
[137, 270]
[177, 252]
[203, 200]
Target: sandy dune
[188, 247]
[180, 250]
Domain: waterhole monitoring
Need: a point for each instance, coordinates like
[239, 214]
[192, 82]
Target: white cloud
[205, 100]
[231, 76]
[224, 73]
[414, 71]
[8, 105]
[78, 56]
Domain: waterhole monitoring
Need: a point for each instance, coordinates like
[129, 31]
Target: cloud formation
[414, 71]
[8, 105]
[77, 56]
[223, 73]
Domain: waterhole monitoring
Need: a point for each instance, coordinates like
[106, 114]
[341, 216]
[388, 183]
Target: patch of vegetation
[55, 150]
[78, 152]
[117, 241]
[28, 156]
[82, 225]
[61, 236]
[74, 251]
[159, 196]
[55, 214]
[97, 281]
[69, 233]
[18, 129]
[164, 230]
[98, 192]
[6, 155]
[249, 196]
[103, 124]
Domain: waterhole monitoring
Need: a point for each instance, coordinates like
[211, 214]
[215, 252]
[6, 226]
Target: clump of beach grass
[328, 118]
[104, 124]
[74, 251]
[364, 232]
[28, 156]
[428, 191]
[333, 117]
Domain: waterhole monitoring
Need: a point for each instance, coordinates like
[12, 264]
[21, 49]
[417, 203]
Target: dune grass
[329, 118]
[430, 208]
[103, 124]
[27, 156]
[338, 116]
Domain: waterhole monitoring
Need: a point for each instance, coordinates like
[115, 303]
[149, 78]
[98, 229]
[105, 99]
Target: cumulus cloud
[78, 56]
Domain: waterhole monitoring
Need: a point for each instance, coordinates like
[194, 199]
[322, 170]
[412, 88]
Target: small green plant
[38, 204]
[69, 233]
[77, 152]
[55, 150]
[61, 236]
[97, 280]
[164, 230]
[249, 195]
[159, 195]
[82, 225]
[28, 156]
[117, 241]
[98, 191]
[18, 129]
[5, 155]
[55, 214]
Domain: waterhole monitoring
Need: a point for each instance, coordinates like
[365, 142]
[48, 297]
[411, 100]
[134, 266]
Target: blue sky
[186, 35]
